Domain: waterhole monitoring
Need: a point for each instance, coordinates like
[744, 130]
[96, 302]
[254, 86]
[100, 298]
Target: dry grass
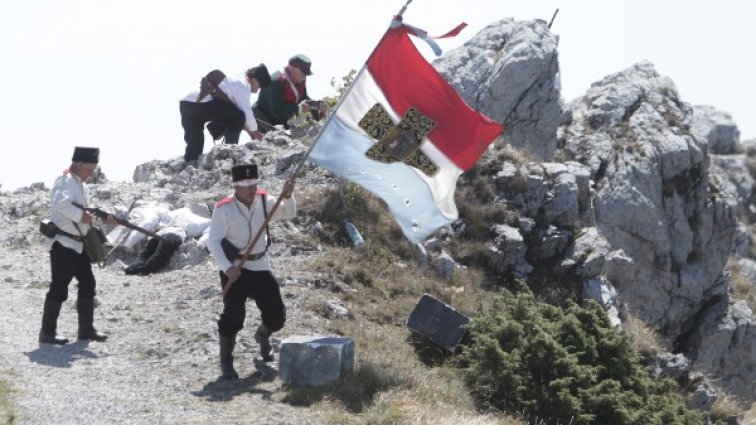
[403, 407]
[391, 385]
[398, 379]
[725, 408]
[517, 157]
[749, 418]
[742, 288]
[7, 413]
[644, 339]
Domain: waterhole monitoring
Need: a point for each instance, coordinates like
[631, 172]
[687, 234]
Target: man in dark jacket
[286, 95]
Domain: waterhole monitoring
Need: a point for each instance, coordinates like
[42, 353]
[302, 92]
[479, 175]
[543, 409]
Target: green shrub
[564, 366]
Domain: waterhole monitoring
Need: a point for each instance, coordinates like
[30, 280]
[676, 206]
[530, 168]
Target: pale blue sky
[110, 73]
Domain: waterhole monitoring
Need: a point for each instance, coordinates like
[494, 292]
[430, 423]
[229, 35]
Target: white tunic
[238, 90]
[67, 189]
[182, 222]
[238, 224]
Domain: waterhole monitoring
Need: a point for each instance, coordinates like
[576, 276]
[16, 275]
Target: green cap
[302, 62]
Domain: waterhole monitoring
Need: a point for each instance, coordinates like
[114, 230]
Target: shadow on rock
[61, 355]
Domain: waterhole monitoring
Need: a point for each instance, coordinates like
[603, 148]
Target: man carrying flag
[403, 133]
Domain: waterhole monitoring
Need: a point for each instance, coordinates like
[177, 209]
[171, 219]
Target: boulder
[314, 360]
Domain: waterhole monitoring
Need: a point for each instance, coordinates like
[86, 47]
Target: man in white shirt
[223, 101]
[237, 219]
[67, 256]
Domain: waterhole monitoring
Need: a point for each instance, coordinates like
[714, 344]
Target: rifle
[125, 223]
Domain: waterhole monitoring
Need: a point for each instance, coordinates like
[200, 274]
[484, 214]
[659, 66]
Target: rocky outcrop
[717, 128]
[735, 179]
[656, 200]
[724, 345]
[510, 72]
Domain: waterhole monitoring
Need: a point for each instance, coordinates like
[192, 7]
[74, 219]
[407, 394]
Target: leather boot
[85, 307]
[262, 336]
[50, 315]
[227, 343]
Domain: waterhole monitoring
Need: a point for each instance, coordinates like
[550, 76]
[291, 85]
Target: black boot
[85, 307]
[227, 343]
[262, 336]
[50, 323]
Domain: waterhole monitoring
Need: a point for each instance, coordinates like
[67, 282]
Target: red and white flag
[405, 134]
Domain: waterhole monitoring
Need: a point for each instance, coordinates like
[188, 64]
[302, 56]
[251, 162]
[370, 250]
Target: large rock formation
[510, 72]
[656, 200]
[634, 207]
[718, 128]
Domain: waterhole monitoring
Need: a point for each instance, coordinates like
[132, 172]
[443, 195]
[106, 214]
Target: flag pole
[296, 171]
[404, 8]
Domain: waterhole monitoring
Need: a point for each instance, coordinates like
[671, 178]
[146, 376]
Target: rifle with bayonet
[97, 212]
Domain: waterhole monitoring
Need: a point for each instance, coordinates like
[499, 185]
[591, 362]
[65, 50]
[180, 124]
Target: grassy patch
[643, 338]
[391, 383]
[7, 412]
[726, 409]
[742, 288]
[750, 416]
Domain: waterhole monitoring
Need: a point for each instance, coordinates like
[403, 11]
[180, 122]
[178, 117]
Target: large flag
[403, 133]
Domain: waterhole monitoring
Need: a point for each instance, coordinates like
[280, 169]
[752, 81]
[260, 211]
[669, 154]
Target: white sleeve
[218, 230]
[62, 198]
[150, 223]
[240, 95]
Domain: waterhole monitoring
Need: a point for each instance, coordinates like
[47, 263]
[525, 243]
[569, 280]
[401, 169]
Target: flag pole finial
[401, 12]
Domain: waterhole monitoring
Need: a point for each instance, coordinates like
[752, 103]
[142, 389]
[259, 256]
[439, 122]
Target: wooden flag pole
[404, 8]
[293, 177]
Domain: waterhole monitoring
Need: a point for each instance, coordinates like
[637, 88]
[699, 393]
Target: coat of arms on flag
[403, 133]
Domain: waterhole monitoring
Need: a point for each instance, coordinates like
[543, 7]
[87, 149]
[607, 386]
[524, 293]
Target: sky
[110, 74]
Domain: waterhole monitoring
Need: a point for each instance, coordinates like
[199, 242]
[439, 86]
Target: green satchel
[94, 245]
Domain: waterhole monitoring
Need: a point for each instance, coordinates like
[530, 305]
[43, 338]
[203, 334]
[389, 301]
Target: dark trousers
[155, 254]
[264, 122]
[66, 264]
[219, 113]
[262, 287]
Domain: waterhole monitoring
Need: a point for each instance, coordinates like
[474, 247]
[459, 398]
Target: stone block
[438, 322]
[314, 360]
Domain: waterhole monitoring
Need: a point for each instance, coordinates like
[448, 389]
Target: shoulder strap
[263, 194]
[224, 201]
[291, 85]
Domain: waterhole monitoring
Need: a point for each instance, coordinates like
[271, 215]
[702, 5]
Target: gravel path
[160, 364]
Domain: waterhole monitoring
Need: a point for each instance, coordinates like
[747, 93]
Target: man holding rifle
[67, 256]
[235, 222]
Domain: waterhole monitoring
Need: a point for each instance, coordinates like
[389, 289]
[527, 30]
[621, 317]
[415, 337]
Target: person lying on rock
[173, 227]
[236, 220]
